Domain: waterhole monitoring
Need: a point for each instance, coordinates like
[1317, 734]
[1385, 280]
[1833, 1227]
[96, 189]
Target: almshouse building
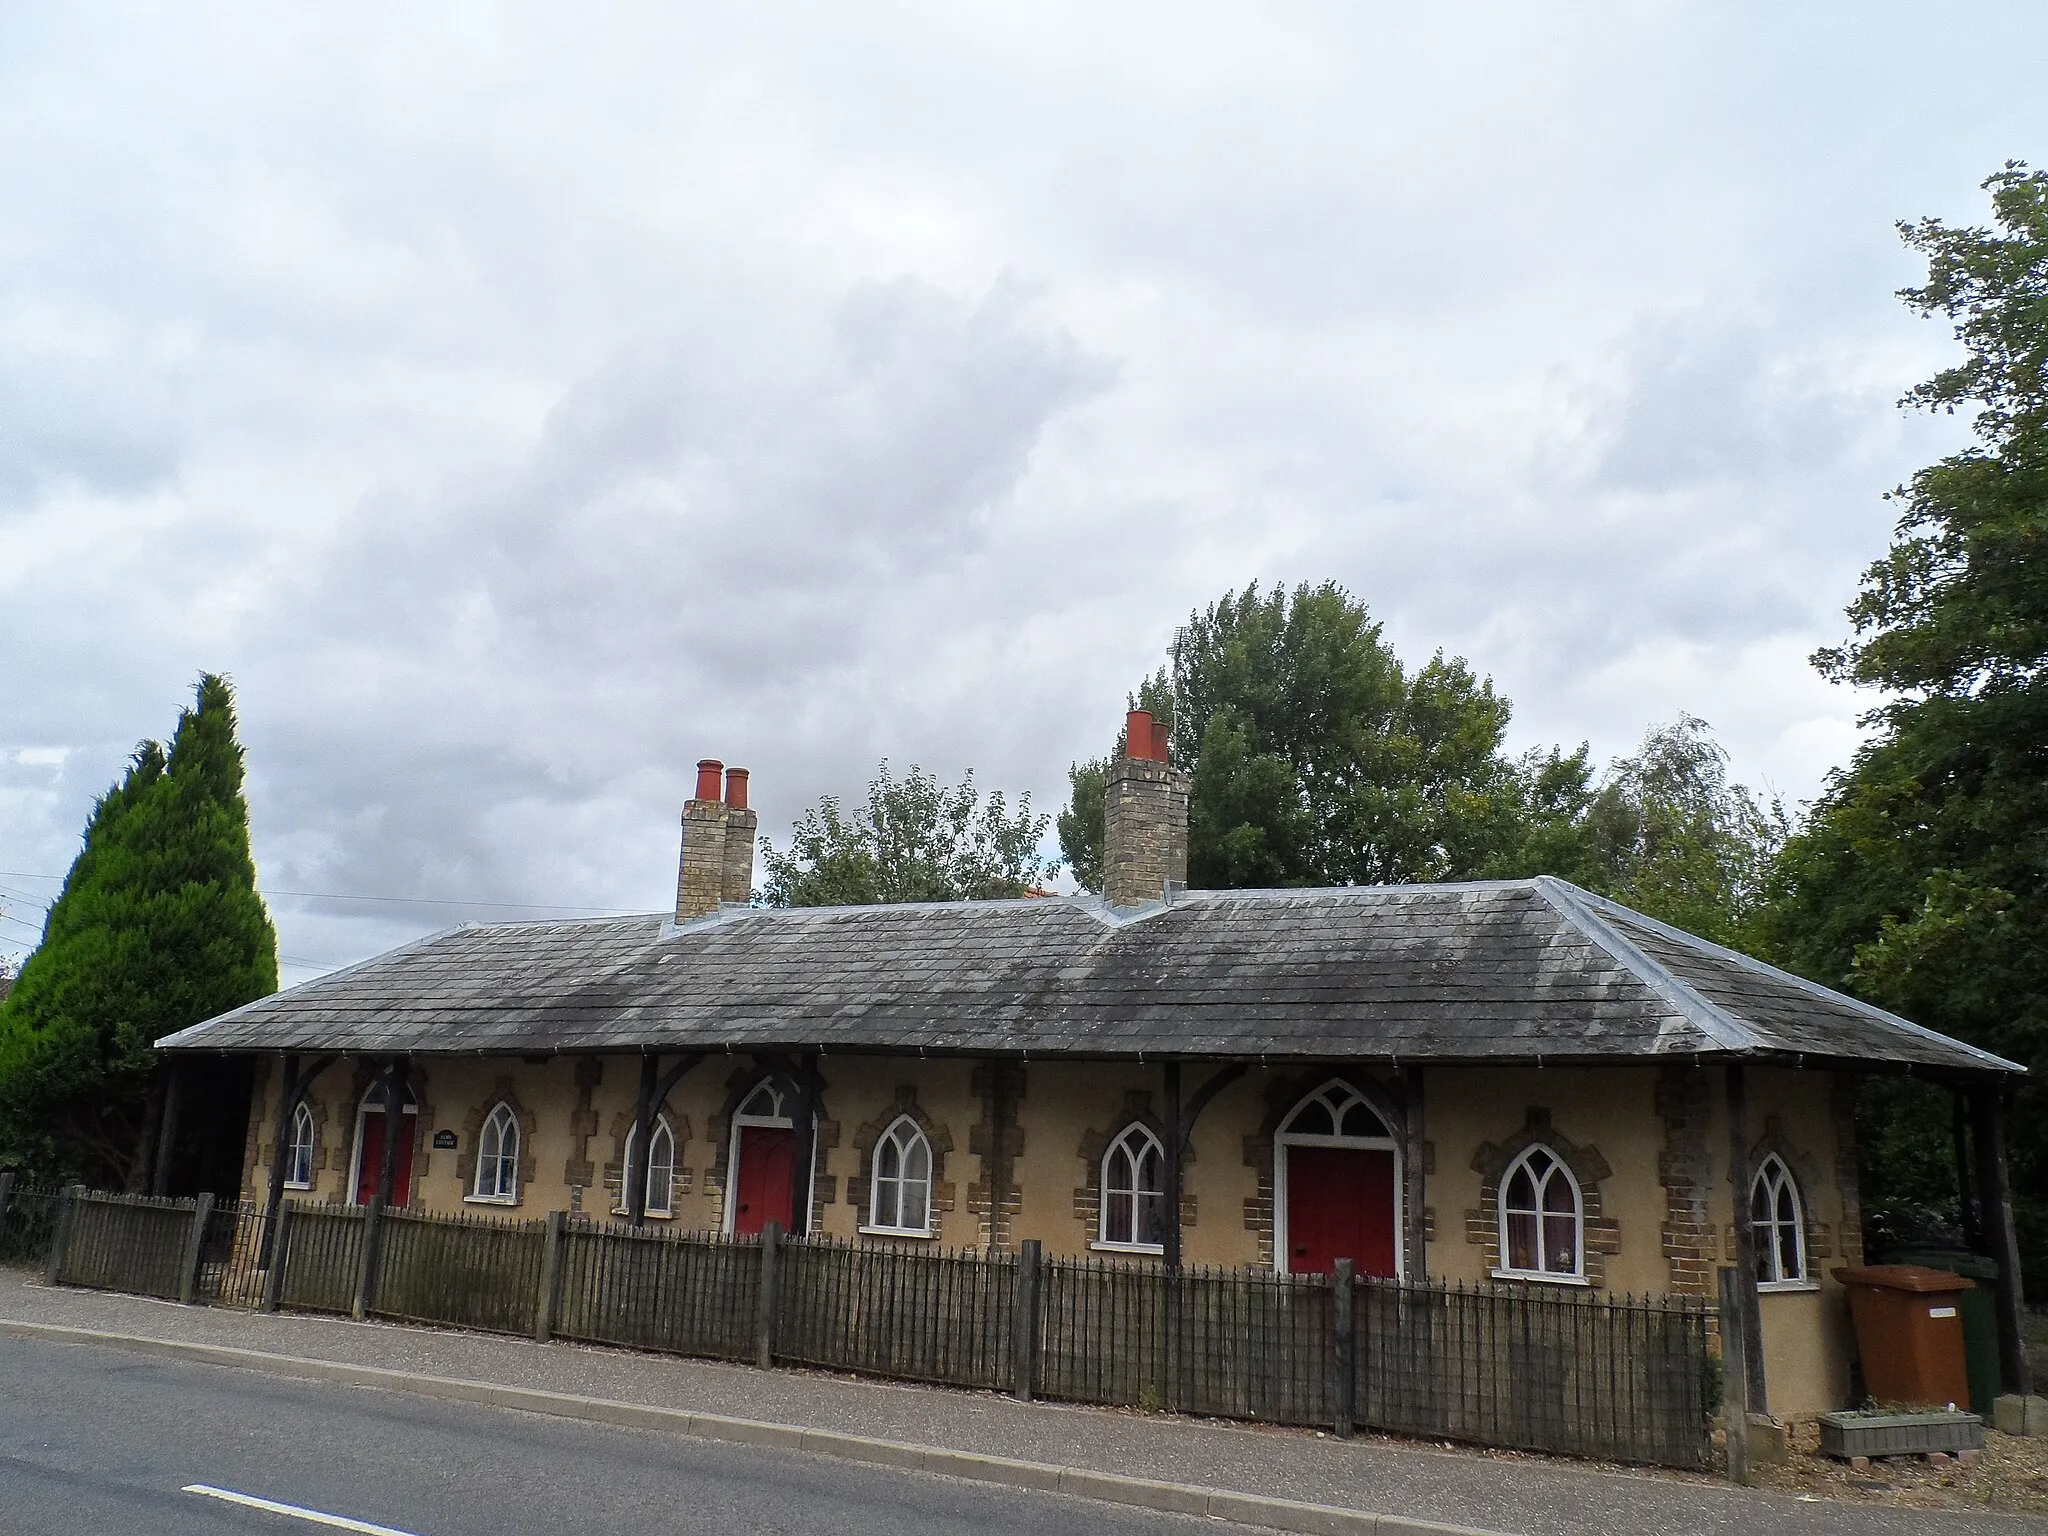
[1512, 1082]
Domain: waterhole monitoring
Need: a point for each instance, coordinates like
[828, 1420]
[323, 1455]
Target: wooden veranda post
[1176, 1150]
[1994, 1193]
[290, 1090]
[1024, 1346]
[1735, 1297]
[1969, 1214]
[1343, 1296]
[805, 1122]
[1756, 1396]
[366, 1269]
[195, 1249]
[167, 1128]
[280, 1255]
[548, 1304]
[635, 1175]
[395, 1083]
[771, 1287]
[1414, 1187]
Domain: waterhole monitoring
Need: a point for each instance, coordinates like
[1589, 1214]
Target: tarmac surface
[1525, 1496]
[96, 1440]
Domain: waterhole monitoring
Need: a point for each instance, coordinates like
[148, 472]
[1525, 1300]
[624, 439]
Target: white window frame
[1576, 1275]
[779, 1119]
[905, 1133]
[298, 1150]
[667, 1208]
[1137, 1136]
[373, 1104]
[501, 1115]
[1338, 1098]
[1773, 1174]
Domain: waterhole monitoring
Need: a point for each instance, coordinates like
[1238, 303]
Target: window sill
[490, 1199]
[1785, 1287]
[927, 1234]
[1539, 1277]
[297, 1189]
[1154, 1250]
[645, 1215]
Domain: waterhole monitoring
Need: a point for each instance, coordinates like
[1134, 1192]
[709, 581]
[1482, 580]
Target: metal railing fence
[684, 1293]
[1576, 1373]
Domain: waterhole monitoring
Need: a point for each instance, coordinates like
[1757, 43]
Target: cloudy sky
[520, 406]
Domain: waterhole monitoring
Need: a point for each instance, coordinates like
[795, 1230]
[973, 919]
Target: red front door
[370, 1166]
[767, 1158]
[1340, 1205]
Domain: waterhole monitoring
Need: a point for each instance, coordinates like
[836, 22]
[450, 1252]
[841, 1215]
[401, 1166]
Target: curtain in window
[902, 1197]
[1134, 1190]
[1775, 1217]
[497, 1158]
[1540, 1216]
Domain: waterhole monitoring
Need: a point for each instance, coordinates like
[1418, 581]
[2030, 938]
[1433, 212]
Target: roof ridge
[1804, 984]
[1719, 1025]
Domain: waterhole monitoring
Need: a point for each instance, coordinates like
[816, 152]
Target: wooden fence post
[1735, 1371]
[195, 1250]
[1994, 1195]
[549, 1302]
[1024, 1343]
[280, 1251]
[1342, 1295]
[6, 1197]
[764, 1319]
[366, 1275]
[60, 1236]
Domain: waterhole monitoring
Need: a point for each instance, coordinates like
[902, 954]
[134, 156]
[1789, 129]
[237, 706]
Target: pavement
[94, 1440]
[1516, 1495]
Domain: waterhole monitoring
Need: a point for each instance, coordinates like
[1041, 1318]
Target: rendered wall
[1018, 1152]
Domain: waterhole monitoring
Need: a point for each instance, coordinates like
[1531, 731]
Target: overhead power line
[410, 901]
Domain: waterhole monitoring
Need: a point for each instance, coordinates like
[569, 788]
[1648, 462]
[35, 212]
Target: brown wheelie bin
[1909, 1332]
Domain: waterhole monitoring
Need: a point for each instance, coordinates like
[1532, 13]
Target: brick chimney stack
[700, 883]
[1145, 819]
[741, 825]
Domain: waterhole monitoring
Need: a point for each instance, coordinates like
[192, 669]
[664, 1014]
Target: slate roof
[1484, 972]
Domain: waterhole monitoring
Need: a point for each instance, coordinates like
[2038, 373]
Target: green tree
[910, 839]
[1317, 758]
[158, 926]
[1664, 831]
[1921, 878]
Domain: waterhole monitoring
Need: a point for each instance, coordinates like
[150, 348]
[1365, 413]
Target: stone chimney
[701, 881]
[1145, 819]
[718, 843]
[741, 825]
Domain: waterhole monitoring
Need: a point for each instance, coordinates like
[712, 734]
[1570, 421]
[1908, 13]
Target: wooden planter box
[1850, 1435]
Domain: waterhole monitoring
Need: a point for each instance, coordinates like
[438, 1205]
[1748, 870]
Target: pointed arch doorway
[1337, 1182]
[762, 1161]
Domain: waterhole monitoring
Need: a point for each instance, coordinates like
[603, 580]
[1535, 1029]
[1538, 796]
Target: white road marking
[317, 1517]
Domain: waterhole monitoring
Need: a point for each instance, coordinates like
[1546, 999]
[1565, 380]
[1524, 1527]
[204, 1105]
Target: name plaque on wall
[444, 1141]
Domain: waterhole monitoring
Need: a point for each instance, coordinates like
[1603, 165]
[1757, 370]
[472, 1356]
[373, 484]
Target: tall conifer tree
[158, 926]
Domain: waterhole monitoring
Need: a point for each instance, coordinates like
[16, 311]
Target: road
[95, 1440]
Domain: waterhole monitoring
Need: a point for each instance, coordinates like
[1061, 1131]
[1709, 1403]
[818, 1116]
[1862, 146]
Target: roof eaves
[1716, 1023]
[1813, 988]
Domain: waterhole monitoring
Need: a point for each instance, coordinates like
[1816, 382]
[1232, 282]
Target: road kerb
[1133, 1492]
